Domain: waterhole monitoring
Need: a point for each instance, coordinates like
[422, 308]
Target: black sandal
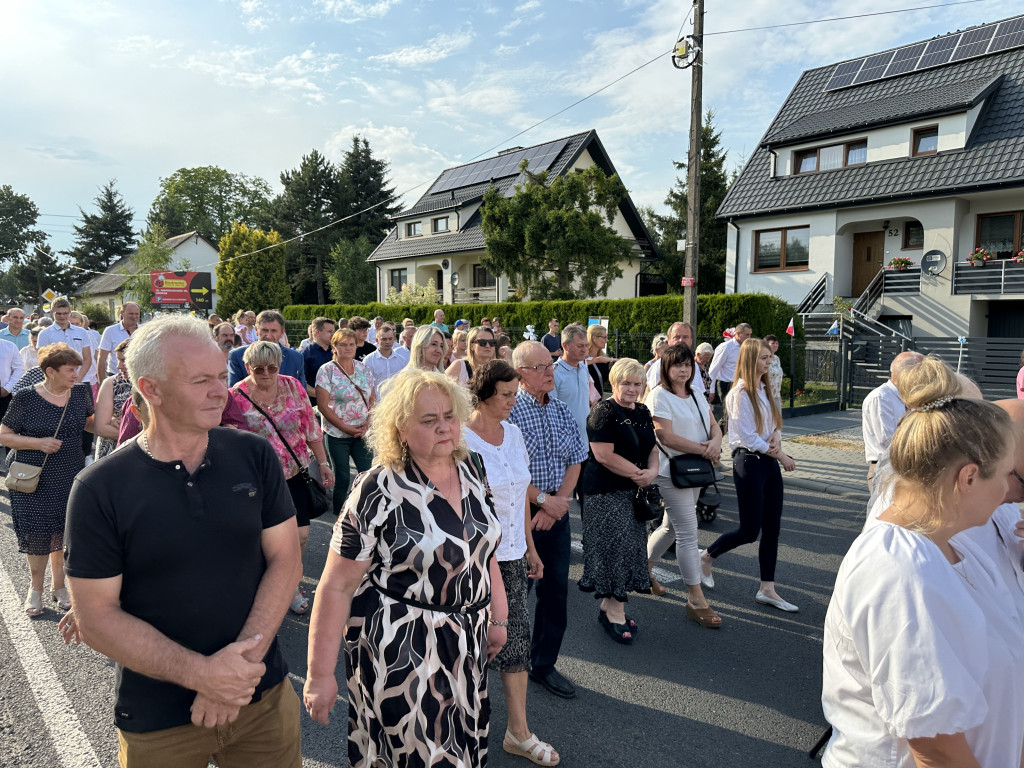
[618, 632]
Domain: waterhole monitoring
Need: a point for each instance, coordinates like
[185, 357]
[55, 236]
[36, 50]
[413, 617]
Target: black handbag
[691, 470]
[319, 502]
[648, 503]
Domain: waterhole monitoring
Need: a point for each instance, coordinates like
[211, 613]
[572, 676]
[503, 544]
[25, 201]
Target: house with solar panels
[914, 152]
[440, 237]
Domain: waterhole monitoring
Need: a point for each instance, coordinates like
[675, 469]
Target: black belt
[449, 609]
[748, 452]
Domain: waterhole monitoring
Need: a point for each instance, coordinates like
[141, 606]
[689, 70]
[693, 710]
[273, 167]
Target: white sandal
[34, 603]
[533, 749]
[299, 603]
[62, 598]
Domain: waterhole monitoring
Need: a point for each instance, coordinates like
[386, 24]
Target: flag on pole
[834, 329]
[790, 329]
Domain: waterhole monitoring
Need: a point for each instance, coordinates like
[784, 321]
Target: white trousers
[680, 524]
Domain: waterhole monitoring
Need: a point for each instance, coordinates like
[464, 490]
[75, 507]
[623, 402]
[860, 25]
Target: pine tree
[153, 255]
[39, 271]
[714, 183]
[256, 281]
[103, 238]
[352, 280]
[366, 179]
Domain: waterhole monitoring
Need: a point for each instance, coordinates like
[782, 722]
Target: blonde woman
[460, 345]
[427, 350]
[481, 349]
[412, 584]
[598, 362]
[923, 649]
[755, 437]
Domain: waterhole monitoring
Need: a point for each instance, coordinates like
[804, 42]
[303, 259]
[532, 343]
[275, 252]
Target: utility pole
[693, 165]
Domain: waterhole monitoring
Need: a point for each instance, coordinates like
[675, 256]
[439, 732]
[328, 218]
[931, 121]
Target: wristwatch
[541, 498]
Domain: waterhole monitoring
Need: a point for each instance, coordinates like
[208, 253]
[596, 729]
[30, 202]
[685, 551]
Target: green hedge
[653, 314]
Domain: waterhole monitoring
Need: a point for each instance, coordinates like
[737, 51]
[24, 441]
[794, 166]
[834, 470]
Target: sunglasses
[486, 343]
[259, 370]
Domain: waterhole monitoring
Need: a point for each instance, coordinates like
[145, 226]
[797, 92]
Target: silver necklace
[144, 439]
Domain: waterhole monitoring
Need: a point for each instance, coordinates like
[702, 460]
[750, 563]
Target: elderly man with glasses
[556, 452]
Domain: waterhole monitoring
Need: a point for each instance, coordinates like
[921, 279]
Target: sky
[132, 91]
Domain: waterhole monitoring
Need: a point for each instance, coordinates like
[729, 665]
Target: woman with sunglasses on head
[344, 396]
[275, 407]
[481, 349]
[755, 437]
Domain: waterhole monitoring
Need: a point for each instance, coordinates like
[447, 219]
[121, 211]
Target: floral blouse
[292, 414]
[349, 395]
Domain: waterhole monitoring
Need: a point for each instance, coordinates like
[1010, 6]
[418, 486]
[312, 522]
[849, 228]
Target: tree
[254, 281]
[207, 200]
[413, 295]
[314, 196]
[365, 180]
[153, 254]
[714, 183]
[556, 240]
[351, 279]
[39, 271]
[103, 238]
[18, 216]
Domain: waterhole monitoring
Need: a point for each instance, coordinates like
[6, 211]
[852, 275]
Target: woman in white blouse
[755, 437]
[924, 645]
[507, 463]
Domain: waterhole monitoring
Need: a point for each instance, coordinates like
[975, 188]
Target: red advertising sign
[181, 289]
[687, 282]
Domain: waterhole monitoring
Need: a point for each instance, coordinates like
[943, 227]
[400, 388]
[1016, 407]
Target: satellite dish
[933, 262]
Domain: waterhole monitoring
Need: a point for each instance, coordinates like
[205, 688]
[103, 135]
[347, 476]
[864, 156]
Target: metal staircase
[818, 312]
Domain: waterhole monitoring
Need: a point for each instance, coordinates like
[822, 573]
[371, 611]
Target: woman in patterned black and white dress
[412, 582]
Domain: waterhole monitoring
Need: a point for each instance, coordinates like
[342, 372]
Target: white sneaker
[776, 602]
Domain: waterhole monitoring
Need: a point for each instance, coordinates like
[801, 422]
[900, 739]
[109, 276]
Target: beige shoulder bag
[24, 478]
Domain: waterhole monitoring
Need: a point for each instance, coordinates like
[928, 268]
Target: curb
[833, 489]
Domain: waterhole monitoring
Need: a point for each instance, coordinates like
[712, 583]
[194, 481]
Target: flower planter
[978, 263]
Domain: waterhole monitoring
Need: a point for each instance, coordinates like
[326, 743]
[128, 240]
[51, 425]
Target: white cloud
[527, 6]
[349, 11]
[437, 49]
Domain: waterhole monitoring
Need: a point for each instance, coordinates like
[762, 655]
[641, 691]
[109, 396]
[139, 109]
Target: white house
[192, 252]
[440, 237]
[916, 151]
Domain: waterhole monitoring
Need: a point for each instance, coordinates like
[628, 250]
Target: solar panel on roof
[938, 51]
[905, 60]
[1010, 34]
[844, 74]
[974, 42]
[874, 67]
[541, 158]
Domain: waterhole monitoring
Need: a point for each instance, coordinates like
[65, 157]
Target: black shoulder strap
[267, 417]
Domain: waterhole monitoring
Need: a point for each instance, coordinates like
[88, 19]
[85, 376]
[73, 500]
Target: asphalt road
[681, 695]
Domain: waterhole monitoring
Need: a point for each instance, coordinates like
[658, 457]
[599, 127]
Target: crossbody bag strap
[267, 417]
[57, 432]
[365, 401]
[699, 416]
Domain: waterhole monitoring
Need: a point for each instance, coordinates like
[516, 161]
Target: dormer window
[440, 224]
[830, 157]
[414, 229]
[925, 141]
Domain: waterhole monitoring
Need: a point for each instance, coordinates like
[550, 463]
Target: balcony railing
[902, 281]
[1002, 276]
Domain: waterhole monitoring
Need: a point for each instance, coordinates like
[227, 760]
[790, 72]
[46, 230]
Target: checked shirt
[552, 439]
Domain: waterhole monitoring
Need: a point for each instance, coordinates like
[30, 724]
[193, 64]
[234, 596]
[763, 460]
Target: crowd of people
[468, 452]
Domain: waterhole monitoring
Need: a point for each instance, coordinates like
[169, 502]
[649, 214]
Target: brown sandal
[704, 616]
[656, 589]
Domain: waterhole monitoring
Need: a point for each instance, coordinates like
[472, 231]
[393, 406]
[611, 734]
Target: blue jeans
[550, 618]
[339, 451]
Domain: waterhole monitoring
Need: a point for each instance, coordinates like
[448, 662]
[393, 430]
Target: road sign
[49, 294]
[687, 282]
[184, 289]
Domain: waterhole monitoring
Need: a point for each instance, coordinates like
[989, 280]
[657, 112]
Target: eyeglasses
[259, 370]
[538, 368]
[486, 342]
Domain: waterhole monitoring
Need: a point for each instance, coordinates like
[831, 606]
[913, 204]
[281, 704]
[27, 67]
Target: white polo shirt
[73, 336]
[880, 414]
[112, 336]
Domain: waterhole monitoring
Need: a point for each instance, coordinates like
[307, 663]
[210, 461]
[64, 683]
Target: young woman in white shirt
[924, 645]
[755, 438]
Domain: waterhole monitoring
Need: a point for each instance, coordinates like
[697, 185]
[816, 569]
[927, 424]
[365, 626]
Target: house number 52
[893, 233]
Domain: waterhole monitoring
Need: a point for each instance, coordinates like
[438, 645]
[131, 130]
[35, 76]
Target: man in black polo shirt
[182, 555]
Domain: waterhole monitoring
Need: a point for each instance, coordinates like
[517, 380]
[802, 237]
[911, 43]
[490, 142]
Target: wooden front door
[868, 253]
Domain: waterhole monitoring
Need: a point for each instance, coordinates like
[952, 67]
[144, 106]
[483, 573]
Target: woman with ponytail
[755, 438]
[924, 646]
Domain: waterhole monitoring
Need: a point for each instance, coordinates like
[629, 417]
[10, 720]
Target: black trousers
[758, 481]
[4, 402]
[551, 616]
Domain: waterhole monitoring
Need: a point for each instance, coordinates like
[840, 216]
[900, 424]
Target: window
[830, 157]
[482, 278]
[782, 249]
[414, 229]
[1000, 233]
[913, 235]
[399, 277]
[440, 224]
[925, 141]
